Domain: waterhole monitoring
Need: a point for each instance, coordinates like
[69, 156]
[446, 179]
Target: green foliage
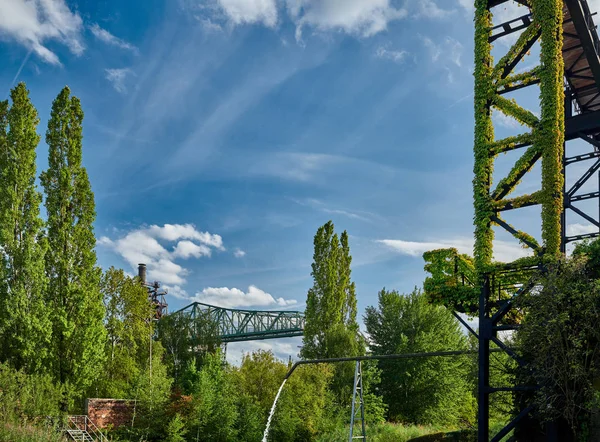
[129, 330]
[152, 392]
[547, 133]
[423, 390]
[560, 339]
[307, 406]
[27, 397]
[29, 433]
[451, 281]
[24, 326]
[390, 432]
[176, 430]
[73, 294]
[214, 411]
[186, 341]
[331, 329]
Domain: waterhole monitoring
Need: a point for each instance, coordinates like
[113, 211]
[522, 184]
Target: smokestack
[142, 272]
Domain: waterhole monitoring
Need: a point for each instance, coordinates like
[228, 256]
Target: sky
[220, 134]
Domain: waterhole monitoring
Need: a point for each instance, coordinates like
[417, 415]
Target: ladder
[82, 429]
[358, 388]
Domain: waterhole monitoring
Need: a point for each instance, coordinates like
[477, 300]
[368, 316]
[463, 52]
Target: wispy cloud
[108, 38]
[239, 253]
[391, 54]
[160, 246]
[32, 23]
[430, 9]
[504, 251]
[250, 11]
[117, 77]
[326, 208]
[501, 119]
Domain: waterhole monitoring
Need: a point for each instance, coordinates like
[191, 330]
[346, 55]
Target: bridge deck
[581, 47]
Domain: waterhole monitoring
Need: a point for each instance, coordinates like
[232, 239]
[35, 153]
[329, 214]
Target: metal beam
[236, 325]
[586, 33]
[587, 123]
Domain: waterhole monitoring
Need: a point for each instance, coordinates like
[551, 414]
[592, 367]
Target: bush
[25, 397]
[28, 433]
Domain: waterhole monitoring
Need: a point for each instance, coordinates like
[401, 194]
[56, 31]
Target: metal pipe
[142, 273]
[382, 357]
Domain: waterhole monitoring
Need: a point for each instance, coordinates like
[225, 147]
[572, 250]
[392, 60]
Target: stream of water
[266, 435]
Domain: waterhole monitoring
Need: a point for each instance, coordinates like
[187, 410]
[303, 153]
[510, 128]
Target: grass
[388, 432]
[28, 433]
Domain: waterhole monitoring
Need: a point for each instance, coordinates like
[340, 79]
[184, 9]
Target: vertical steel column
[483, 393]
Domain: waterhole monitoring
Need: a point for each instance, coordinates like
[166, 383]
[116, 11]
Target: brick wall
[109, 412]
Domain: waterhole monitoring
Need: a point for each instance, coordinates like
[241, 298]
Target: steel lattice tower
[568, 77]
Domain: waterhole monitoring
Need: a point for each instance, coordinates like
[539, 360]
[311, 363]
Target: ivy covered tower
[561, 38]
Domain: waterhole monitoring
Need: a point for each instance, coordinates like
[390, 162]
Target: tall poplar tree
[73, 293]
[331, 329]
[24, 325]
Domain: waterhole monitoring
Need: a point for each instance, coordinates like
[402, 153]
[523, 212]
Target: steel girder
[235, 325]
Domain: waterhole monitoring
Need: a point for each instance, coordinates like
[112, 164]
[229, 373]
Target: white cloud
[176, 291]
[117, 78]
[390, 54]
[186, 249]
[504, 120]
[282, 348]
[250, 11]
[358, 17]
[233, 297]
[149, 245]
[239, 253]
[173, 232]
[504, 251]
[108, 38]
[468, 5]
[430, 9]
[580, 229]
[32, 23]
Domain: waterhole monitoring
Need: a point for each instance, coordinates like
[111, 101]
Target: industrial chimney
[142, 273]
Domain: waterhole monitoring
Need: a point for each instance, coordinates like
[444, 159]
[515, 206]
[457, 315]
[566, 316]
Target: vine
[455, 277]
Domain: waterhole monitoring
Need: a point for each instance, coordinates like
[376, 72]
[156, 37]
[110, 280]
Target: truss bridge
[236, 325]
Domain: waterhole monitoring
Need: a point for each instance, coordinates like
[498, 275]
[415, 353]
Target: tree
[129, 330]
[423, 390]
[176, 430]
[214, 402]
[24, 326]
[331, 329]
[73, 293]
[559, 339]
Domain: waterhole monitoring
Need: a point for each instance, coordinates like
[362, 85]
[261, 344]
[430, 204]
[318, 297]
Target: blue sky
[220, 134]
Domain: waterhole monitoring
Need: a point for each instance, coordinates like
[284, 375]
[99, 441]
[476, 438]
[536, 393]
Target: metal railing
[83, 423]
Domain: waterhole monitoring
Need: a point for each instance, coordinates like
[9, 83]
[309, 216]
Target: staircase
[82, 429]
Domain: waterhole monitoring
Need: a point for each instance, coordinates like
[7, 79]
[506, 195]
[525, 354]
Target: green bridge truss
[236, 325]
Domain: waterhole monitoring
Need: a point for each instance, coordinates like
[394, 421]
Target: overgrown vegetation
[70, 330]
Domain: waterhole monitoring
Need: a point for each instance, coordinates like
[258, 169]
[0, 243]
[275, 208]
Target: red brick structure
[109, 412]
